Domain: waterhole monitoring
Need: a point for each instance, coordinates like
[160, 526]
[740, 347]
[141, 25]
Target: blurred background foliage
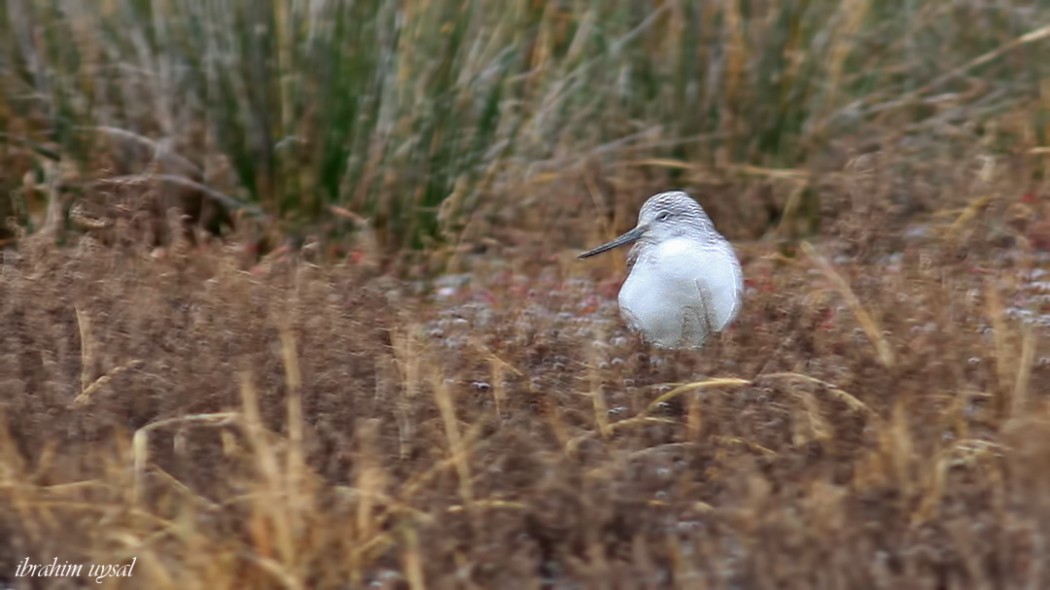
[411, 116]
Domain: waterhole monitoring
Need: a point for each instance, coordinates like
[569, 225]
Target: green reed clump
[389, 109]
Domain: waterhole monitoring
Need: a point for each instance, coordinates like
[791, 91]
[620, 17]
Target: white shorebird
[684, 279]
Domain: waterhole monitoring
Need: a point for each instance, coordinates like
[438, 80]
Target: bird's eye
[663, 216]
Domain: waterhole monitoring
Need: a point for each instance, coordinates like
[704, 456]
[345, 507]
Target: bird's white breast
[681, 290]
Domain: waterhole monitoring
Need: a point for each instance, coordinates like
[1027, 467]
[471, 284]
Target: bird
[684, 280]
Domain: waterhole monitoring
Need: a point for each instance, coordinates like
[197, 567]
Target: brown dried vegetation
[878, 416]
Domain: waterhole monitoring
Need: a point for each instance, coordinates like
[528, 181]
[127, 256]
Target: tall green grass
[390, 108]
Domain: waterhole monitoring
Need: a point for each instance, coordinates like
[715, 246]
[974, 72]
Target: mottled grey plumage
[684, 279]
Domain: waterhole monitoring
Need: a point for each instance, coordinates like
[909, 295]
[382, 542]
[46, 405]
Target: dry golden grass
[457, 404]
[878, 417]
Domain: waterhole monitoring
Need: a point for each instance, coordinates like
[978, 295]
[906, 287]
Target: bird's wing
[705, 311]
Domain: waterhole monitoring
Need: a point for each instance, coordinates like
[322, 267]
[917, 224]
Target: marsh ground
[877, 417]
[393, 372]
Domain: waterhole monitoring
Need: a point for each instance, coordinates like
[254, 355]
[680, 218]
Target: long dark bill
[623, 240]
